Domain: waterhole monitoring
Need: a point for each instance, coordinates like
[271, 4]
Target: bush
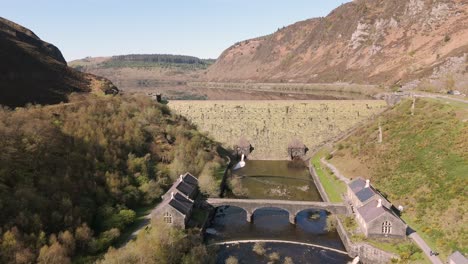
[231, 260]
[288, 260]
[208, 183]
[275, 256]
[259, 248]
[235, 185]
[330, 224]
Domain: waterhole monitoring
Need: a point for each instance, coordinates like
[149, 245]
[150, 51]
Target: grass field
[421, 164]
[332, 185]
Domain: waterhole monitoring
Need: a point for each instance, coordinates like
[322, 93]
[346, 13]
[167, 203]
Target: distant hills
[34, 71]
[149, 72]
[390, 42]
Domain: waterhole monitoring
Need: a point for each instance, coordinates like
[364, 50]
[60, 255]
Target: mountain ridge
[364, 41]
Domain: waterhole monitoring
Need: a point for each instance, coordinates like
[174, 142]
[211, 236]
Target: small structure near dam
[271, 125]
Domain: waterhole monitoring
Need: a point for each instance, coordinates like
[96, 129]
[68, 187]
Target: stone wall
[270, 125]
[318, 184]
[367, 253]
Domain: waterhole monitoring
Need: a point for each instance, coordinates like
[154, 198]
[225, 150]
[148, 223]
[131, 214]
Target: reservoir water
[275, 180]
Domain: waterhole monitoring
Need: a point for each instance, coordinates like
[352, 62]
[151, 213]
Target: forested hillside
[421, 164]
[71, 175]
[163, 246]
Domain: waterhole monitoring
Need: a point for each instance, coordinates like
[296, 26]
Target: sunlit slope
[421, 164]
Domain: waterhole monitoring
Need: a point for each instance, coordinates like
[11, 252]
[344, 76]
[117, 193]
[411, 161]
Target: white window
[386, 227]
[167, 218]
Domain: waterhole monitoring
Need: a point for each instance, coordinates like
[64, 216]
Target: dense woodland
[71, 175]
[163, 246]
[157, 60]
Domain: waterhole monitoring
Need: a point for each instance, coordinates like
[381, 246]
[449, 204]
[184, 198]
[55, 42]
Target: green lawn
[333, 187]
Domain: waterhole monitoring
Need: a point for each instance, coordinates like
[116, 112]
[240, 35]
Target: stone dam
[270, 125]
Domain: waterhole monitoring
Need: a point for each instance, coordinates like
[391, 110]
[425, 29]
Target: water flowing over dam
[270, 125]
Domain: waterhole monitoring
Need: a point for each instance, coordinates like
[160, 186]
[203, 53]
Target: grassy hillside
[421, 164]
[72, 176]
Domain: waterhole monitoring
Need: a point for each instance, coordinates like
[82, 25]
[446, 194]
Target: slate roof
[370, 211]
[181, 204]
[458, 258]
[365, 194]
[357, 184]
[186, 188]
[190, 179]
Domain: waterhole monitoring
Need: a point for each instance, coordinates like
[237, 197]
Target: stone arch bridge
[292, 207]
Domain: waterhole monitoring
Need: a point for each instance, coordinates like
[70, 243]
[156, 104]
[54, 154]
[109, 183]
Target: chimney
[181, 177]
[172, 195]
[367, 184]
[379, 203]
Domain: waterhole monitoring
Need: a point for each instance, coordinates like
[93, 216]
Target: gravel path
[335, 171]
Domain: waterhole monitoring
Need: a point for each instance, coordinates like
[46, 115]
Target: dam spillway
[270, 125]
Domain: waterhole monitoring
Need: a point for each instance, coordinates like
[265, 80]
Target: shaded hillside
[72, 176]
[421, 164]
[364, 41]
[34, 71]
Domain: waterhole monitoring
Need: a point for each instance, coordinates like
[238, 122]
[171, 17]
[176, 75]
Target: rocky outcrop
[364, 41]
[34, 71]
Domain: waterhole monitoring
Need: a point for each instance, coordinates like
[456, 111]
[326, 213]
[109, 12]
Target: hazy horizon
[203, 29]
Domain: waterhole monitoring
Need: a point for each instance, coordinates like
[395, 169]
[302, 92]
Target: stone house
[457, 258]
[376, 220]
[373, 212]
[178, 202]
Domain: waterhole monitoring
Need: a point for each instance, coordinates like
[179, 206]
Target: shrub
[275, 256]
[207, 180]
[231, 260]
[288, 260]
[259, 248]
[331, 224]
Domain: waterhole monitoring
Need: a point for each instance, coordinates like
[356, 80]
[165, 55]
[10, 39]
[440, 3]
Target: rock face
[34, 71]
[364, 41]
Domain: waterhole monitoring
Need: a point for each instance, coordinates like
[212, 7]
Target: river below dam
[274, 180]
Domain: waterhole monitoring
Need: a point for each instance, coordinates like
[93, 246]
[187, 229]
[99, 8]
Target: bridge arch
[291, 215]
[248, 214]
[292, 207]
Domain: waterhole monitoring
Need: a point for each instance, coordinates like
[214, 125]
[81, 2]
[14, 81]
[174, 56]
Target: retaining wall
[271, 125]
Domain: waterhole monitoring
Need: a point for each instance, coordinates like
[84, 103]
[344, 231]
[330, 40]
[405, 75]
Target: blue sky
[202, 28]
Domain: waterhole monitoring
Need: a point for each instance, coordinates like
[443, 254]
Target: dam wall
[270, 125]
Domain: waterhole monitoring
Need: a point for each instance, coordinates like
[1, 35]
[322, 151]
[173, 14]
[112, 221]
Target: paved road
[439, 96]
[425, 248]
